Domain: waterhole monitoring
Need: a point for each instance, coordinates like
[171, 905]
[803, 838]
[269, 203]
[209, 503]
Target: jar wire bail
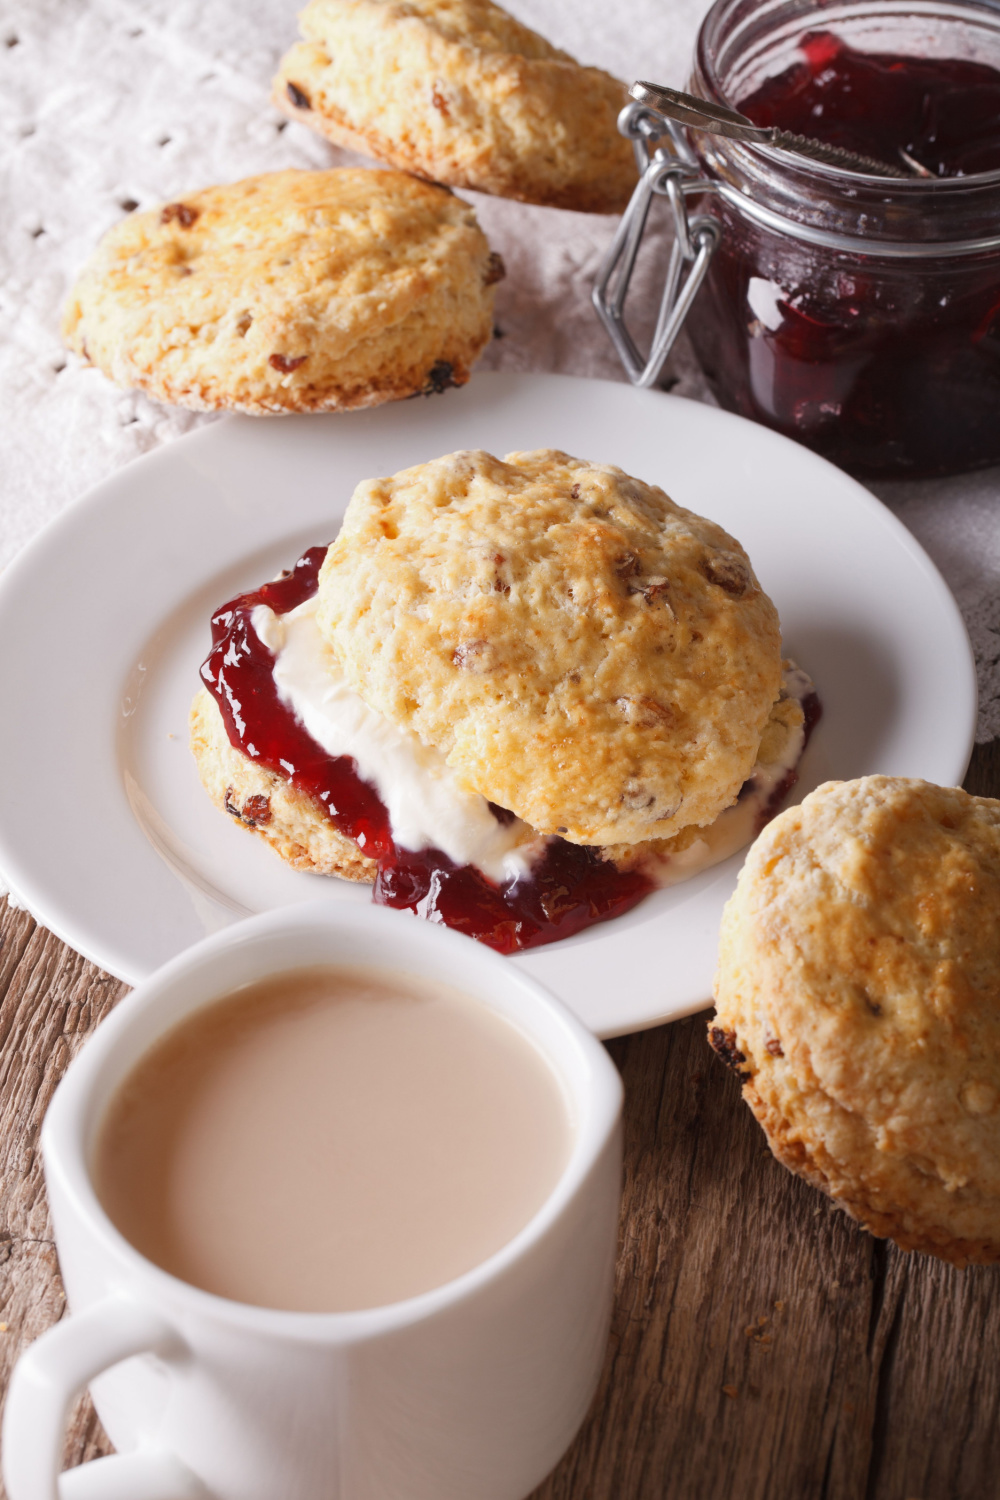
[668, 169]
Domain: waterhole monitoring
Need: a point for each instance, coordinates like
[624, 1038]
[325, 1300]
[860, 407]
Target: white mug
[471, 1391]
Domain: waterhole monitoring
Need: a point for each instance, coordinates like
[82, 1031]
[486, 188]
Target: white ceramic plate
[105, 831]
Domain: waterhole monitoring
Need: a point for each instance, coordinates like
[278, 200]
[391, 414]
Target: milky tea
[332, 1138]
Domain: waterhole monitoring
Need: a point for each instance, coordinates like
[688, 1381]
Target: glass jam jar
[858, 314]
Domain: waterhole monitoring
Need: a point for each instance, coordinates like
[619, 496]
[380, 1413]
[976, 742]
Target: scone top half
[585, 653]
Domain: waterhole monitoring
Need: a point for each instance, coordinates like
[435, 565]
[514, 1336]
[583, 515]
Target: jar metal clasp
[667, 169]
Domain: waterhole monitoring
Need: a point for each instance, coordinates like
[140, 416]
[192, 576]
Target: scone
[268, 803]
[580, 649]
[290, 292]
[457, 91]
[516, 695]
[297, 827]
[858, 998]
[793, 717]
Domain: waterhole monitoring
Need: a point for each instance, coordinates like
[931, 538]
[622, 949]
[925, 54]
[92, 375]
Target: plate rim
[53, 913]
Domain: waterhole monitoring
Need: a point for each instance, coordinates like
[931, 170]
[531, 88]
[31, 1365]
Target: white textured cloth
[110, 104]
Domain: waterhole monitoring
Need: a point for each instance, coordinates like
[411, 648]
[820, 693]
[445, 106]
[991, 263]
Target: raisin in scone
[290, 292]
[458, 91]
[267, 803]
[582, 651]
[858, 998]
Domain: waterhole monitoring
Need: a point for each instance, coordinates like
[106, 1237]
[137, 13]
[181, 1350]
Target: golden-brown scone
[858, 997]
[290, 292]
[291, 821]
[583, 651]
[459, 92]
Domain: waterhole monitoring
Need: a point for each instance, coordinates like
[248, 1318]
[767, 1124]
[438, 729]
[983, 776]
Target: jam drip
[943, 112]
[568, 888]
[238, 672]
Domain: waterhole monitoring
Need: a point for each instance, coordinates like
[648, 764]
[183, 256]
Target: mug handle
[47, 1379]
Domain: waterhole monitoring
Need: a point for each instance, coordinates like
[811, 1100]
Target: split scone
[858, 998]
[555, 688]
[290, 292]
[457, 91]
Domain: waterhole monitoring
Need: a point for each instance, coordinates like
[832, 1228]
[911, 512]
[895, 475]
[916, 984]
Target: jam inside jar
[860, 315]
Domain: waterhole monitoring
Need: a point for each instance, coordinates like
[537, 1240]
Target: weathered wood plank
[50, 1000]
[763, 1347]
[983, 777]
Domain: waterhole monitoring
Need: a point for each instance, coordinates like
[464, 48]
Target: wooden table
[763, 1347]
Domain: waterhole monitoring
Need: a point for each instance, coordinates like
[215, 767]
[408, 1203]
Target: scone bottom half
[858, 1001]
[290, 292]
[323, 800]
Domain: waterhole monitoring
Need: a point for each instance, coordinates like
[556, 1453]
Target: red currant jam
[888, 364]
[570, 887]
[943, 112]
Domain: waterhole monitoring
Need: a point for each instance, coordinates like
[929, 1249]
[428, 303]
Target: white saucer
[105, 831]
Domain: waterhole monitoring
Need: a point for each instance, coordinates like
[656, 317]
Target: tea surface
[332, 1139]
